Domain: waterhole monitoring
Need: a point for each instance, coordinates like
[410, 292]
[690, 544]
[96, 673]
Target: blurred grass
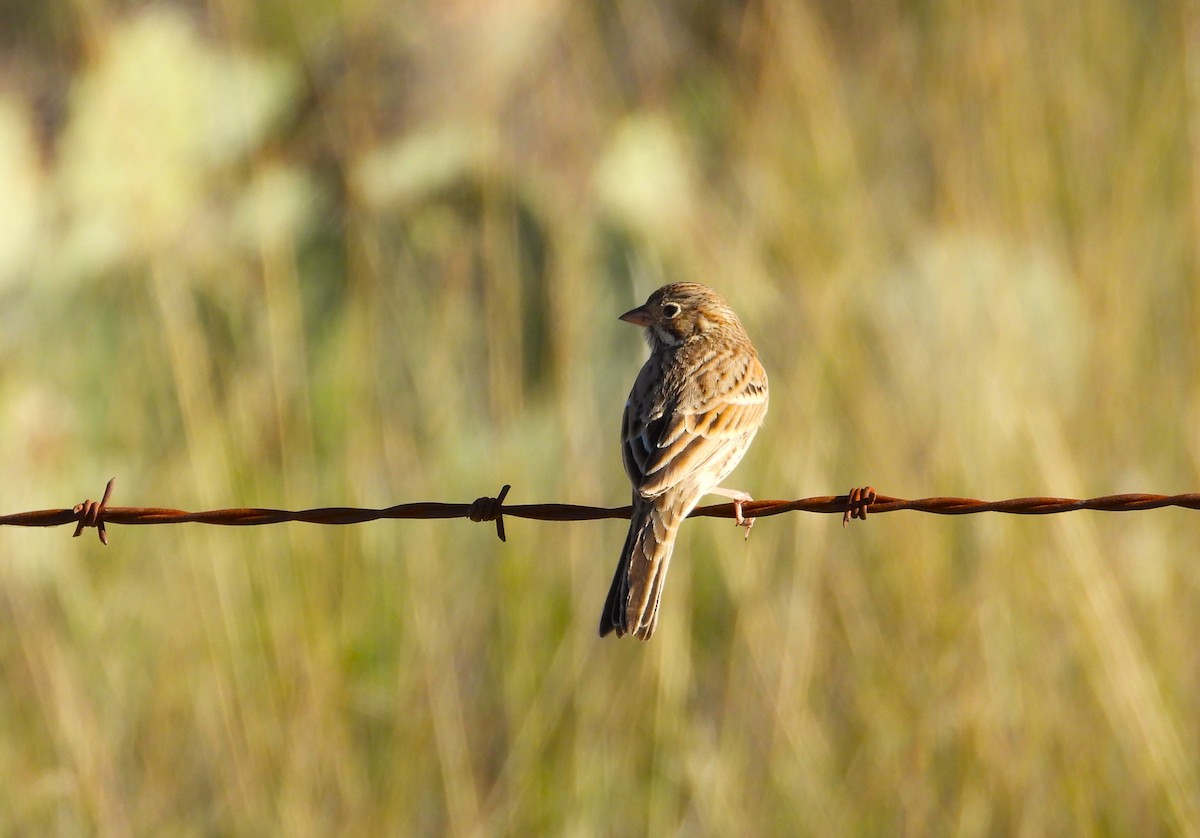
[368, 253]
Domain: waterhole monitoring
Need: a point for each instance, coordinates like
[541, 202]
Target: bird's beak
[638, 317]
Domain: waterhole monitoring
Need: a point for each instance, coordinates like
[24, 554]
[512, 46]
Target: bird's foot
[738, 497]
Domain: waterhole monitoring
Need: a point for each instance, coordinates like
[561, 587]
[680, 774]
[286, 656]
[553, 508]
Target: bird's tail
[632, 604]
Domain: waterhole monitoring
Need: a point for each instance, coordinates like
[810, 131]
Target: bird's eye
[671, 310]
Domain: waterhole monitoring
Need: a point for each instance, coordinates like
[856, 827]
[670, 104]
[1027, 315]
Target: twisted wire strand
[855, 504]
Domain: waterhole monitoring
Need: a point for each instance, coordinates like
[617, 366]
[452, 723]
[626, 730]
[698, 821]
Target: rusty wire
[853, 505]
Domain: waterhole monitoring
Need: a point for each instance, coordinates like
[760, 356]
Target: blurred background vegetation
[363, 253]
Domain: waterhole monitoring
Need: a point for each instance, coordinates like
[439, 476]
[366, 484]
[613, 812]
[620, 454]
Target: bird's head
[678, 312]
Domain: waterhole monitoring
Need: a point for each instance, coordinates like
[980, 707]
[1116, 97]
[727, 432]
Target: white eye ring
[671, 310]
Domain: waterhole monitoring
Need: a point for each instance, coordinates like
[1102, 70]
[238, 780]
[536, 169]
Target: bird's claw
[740, 520]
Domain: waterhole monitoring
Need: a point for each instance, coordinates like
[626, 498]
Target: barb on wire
[490, 509]
[91, 514]
[853, 505]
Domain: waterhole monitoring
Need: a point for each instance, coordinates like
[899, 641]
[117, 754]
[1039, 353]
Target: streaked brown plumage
[692, 413]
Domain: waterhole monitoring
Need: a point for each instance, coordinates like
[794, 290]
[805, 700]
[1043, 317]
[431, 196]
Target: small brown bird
[689, 419]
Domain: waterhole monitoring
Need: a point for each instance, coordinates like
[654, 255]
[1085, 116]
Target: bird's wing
[668, 440]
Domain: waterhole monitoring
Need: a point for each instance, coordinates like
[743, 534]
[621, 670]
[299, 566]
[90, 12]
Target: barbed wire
[855, 504]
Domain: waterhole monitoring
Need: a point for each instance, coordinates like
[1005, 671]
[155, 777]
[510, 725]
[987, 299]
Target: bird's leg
[738, 497]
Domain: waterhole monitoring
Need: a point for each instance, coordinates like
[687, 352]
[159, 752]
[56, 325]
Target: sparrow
[689, 419]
